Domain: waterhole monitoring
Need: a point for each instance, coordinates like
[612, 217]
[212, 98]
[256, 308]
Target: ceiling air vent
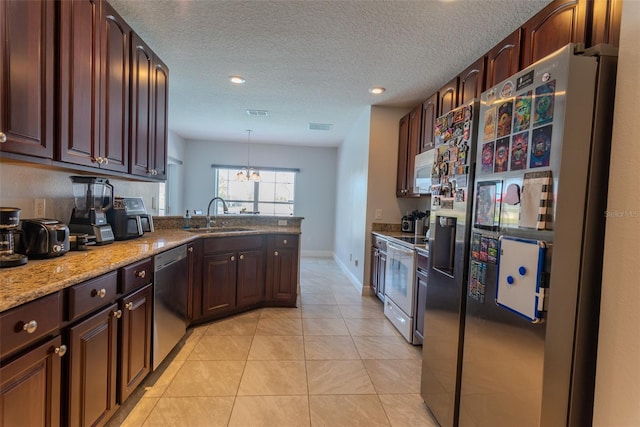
[258, 113]
[320, 126]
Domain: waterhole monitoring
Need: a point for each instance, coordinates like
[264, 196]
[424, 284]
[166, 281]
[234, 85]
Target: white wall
[618, 372]
[175, 174]
[315, 184]
[351, 199]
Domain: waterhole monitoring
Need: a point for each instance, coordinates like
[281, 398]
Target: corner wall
[618, 372]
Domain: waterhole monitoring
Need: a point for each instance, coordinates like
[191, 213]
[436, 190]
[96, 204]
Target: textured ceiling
[310, 61]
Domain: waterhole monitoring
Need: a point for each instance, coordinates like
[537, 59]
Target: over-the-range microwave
[422, 172]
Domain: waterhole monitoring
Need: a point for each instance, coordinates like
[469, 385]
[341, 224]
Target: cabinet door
[30, 387]
[27, 77]
[504, 59]
[472, 81]
[448, 97]
[135, 340]
[79, 82]
[194, 277]
[421, 303]
[114, 86]
[559, 23]
[251, 277]
[415, 129]
[429, 115]
[403, 147]
[92, 368]
[141, 107]
[284, 280]
[160, 108]
[606, 22]
[218, 283]
[375, 259]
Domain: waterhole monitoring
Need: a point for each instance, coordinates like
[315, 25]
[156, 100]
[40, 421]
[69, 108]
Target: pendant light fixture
[248, 173]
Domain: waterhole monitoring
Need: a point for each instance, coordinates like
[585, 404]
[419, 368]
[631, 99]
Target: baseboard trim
[353, 279]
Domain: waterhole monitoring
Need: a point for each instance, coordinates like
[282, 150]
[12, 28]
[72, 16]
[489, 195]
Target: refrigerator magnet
[489, 130]
[487, 205]
[487, 157]
[522, 112]
[501, 156]
[541, 147]
[519, 148]
[544, 102]
[505, 112]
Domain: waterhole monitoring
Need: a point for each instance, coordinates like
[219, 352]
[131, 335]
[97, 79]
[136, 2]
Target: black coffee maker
[9, 238]
[93, 196]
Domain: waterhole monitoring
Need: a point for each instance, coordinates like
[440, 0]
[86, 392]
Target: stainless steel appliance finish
[537, 366]
[399, 301]
[169, 301]
[452, 192]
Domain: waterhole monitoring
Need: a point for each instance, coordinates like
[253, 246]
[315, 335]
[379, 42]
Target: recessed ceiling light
[237, 79]
[376, 90]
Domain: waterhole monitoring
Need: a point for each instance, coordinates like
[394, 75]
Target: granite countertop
[395, 236]
[38, 278]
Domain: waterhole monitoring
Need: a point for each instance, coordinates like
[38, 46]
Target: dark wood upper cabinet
[429, 115]
[504, 59]
[472, 81]
[149, 107]
[559, 23]
[448, 97]
[27, 84]
[606, 22]
[94, 85]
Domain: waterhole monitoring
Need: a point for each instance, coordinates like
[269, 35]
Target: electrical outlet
[378, 214]
[39, 208]
[355, 263]
[282, 222]
[350, 257]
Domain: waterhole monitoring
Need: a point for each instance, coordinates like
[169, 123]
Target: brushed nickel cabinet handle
[30, 327]
[61, 351]
[117, 314]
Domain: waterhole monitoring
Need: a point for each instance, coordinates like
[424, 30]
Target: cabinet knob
[117, 314]
[233, 258]
[105, 160]
[241, 256]
[140, 274]
[129, 306]
[3, 137]
[190, 249]
[284, 242]
[30, 327]
[61, 351]
[100, 292]
[275, 253]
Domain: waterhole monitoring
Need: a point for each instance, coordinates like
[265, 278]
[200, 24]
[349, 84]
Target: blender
[9, 220]
[93, 196]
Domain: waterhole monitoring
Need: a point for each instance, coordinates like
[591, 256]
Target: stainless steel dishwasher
[169, 301]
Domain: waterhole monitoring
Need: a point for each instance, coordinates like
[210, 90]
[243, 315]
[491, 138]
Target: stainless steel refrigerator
[531, 299]
[451, 196]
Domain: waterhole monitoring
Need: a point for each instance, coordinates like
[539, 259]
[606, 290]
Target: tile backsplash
[22, 183]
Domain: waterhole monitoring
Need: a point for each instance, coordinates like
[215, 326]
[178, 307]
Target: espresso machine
[93, 196]
[9, 237]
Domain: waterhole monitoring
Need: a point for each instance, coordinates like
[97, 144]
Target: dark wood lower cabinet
[92, 368]
[282, 270]
[30, 387]
[218, 283]
[250, 286]
[135, 340]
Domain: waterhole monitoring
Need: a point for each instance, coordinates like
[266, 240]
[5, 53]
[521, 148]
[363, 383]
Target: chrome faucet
[224, 209]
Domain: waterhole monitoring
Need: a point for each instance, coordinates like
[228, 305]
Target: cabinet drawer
[423, 261]
[284, 241]
[91, 295]
[380, 243]
[220, 244]
[136, 275]
[28, 323]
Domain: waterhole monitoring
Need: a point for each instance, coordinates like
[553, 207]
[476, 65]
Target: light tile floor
[333, 361]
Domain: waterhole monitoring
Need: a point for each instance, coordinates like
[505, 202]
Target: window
[272, 195]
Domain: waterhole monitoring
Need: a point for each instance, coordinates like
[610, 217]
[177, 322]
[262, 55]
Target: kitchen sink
[213, 230]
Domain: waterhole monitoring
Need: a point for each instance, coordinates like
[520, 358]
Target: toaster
[43, 238]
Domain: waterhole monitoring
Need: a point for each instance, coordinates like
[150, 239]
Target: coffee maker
[93, 196]
[9, 237]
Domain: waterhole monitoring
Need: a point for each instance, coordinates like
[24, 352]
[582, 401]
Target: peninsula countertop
[38, 278]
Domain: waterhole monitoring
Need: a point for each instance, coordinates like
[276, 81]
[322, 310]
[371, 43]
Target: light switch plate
[39, 206]
[378, 214]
